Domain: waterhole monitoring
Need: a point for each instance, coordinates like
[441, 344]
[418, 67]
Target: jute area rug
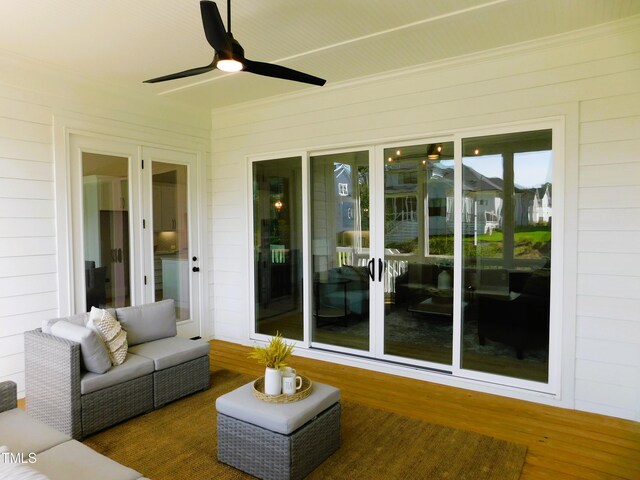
[178, 441]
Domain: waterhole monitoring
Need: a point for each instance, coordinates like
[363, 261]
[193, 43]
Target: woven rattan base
[273, 456]
[176, 382]
[115, 404]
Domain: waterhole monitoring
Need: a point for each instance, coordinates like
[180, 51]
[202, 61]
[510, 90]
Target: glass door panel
[105, 202]
[171, 235]
[418, 252]
[339, 200]
[506, 223]
[277, 233]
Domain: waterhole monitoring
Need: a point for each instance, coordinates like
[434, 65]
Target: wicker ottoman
[277, 441]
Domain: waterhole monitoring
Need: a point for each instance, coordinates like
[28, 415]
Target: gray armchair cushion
[93, 352]
[72, 459]
[169, 352]
[133, 367]
[24, 434]
[149, 322]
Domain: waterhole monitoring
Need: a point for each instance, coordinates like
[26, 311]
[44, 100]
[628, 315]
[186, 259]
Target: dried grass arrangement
[275, 354]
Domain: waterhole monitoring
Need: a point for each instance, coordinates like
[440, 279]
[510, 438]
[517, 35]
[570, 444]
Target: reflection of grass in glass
[438, 245]
[405, 246]
[528, 243]
[441, 245]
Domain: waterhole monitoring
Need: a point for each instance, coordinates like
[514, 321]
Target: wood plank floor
[562, 444]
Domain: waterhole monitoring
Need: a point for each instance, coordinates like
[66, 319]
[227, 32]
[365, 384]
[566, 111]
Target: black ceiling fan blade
[277, 71]
[186, 73]
[214, 28]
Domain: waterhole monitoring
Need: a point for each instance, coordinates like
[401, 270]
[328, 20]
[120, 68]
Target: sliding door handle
[371, 265]
[380, 269]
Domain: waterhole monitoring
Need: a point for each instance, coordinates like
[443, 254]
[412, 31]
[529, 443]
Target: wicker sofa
[37, 451]
[159, 368]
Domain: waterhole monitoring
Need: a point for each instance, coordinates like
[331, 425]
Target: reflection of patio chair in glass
[345, 291]
[411, 286]
[95, 279]
[491, 222]
[519, 320]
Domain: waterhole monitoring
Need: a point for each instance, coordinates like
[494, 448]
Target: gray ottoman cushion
[24, 434]
[283, 418]
[169, 352]
[148, 322]
[133, 367]
[72, 459]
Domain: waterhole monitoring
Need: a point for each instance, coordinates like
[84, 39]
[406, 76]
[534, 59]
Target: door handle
[196, 269]
[119, 255]
[380, 269]
[371, 266]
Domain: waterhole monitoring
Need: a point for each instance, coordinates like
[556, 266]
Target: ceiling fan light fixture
[229, 65]
[229, 54]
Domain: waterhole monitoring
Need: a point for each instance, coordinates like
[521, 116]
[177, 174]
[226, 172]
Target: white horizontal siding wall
[577, 76]
[30, 99]
[28, 284]
[608, 304]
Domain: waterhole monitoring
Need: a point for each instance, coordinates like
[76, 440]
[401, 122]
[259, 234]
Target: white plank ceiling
[123, 42]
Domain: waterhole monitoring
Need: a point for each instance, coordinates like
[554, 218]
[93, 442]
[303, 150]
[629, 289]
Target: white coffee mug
[290, 384]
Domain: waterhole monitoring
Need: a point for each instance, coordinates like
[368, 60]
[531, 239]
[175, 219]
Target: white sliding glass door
[341, 266]
[433, 253]
[417, 286]
[507, 191]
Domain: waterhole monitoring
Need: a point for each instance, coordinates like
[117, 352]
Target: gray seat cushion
[283, 418]
[24, 434]
[133, 367]
[169, 352]
[72, 459]
[149, 322]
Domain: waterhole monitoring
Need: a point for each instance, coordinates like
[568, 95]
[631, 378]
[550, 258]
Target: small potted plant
[273, 356]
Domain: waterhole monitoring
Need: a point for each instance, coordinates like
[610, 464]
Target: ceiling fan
[229, 56]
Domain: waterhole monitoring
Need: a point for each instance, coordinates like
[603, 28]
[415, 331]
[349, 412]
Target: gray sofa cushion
[241, 404]
[78, 319]
[24, 434]
[145, 323]
[169, 352]
[133, 367]
[93, 352]
[72, 459]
